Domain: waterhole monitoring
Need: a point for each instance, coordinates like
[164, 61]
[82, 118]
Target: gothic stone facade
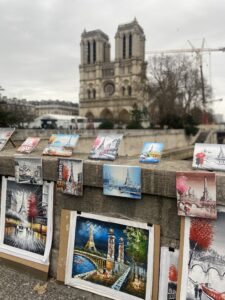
[110, 89]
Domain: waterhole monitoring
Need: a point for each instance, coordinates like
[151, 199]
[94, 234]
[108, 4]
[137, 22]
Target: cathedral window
[88, 53]
[89, 94]
[94, 51]
[130, 45]
[124, 46]
[129, 90]
[94, 93]
[123, 91]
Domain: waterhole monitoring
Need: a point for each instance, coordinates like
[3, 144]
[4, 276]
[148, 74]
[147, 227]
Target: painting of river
[203, 274]
[112, 258]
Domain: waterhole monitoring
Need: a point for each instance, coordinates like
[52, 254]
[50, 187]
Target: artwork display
[26, 220]
[28, 170]
[122, 181]
[209, 157]
[110, 257]
[168, 274]
[70, 176]
[203, 268]
[106, 147]
[151, 152]
[29, 145]
[5, 135]
[196, 194]
[61, 144]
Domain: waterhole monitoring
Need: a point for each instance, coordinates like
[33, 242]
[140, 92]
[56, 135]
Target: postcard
[122, 181]
[106, 147]
[196, 194]
[151, 152]
[70, 176]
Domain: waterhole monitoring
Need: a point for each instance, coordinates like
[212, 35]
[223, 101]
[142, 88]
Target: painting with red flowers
[196, 194]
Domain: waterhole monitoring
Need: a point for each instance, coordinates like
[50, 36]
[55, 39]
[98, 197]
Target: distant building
[111, 89]
[58, 107]
[19, 106]
[218, 118]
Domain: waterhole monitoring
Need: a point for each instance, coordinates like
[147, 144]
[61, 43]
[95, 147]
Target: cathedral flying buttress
[109, 89]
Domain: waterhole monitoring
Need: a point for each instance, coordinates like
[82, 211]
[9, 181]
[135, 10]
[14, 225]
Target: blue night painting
[111, 255]
[122, 181]
[151, 152]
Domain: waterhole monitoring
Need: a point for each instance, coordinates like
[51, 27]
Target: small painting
[61, 144]
[122, 181]
[5, 135]
[168, 273]
[70, 176]
[110, 257]
[29, 145]
[209, 157]
[203, 266]
[28, 170]
[151, 152]
[196, 194]
[26, 220]
[106, 147]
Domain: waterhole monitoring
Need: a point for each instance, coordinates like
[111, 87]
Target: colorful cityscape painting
[28, 170]
[168, 273]
[70, 176]
[122, 181]
[24, 217]
[196, 194]
[151, 152]
[112, 259]
[5, 135]
[29, 145]
[106, 147]
[209, 157]
[61, 144]
[203, 273]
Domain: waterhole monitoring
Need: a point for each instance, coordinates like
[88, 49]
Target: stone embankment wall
[157, 206]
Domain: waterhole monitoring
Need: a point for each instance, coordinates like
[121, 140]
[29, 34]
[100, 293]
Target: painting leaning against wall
[110, 257]
[26, 220]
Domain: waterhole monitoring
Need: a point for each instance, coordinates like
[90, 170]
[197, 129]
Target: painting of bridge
[196, 194]
[209, 157]
[113, 256]
[205, 257]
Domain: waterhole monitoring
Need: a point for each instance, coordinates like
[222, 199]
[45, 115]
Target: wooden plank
[156, 262]
[64, 236]
[180, 263]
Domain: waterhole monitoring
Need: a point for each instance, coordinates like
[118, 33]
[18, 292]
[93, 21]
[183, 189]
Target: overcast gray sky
[39, 39]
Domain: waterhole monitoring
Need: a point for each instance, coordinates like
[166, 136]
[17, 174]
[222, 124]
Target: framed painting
[70, 176]
[196, 194]
[209, 157]
[28, 170]
[26, 221]
[111, 257]
[168, 273]
[122, 181]
[202, 260]
[151, 152]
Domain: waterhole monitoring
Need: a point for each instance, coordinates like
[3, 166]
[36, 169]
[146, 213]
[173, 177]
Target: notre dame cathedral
[109, 90]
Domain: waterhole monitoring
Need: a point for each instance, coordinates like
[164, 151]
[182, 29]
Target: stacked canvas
[61, 144]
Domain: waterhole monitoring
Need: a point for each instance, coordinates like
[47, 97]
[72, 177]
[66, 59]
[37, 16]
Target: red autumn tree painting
[201, 235]
[32, 207]
[173, 273]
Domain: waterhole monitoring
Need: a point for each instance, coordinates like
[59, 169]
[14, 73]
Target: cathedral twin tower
[110, 89]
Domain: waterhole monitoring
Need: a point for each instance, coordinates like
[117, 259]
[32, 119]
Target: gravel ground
[15, 285]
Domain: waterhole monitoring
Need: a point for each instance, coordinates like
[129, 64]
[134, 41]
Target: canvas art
[106, 147]
[110, 257]
[5, 135]
[122, 181]
[26, 220]
[196, 194]
[61, 144]
[151, 152]
[209, 157]
[28, 170]
[168, 273]
[203, 271]
[70, 176]
[29, 145]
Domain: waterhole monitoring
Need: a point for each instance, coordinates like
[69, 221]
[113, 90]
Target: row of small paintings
[116, 258]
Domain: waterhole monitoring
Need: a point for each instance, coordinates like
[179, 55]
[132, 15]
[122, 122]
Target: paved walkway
[15, 285]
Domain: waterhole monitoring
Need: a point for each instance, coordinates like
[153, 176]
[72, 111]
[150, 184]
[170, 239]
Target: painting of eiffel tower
[90, 245]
